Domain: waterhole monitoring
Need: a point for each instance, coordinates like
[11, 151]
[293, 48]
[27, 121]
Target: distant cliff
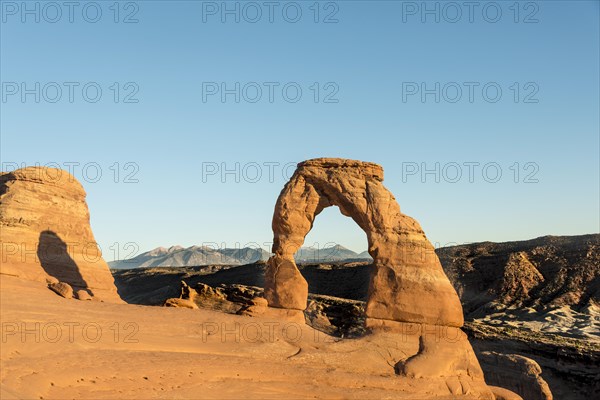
[550, 271]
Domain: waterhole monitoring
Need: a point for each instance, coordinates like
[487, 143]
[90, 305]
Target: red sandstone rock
[62, 289]
[46, 233]
[408, 283]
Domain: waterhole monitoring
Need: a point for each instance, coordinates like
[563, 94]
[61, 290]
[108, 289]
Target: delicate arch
[407, 284]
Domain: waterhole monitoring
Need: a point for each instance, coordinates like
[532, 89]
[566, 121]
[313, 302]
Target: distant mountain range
[177, 256]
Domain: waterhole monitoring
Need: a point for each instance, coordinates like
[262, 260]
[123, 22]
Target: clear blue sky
[543, 56]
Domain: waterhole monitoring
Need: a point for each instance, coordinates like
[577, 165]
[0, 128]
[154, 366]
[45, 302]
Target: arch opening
[334, 237]
[334, 258]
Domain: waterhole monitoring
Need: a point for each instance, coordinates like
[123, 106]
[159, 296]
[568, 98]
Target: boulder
[83, 295]
[63, 289]
[50, 280]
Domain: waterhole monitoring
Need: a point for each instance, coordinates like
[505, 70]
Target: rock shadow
[57, 262]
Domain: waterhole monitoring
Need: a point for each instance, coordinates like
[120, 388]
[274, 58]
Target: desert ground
[54, 347]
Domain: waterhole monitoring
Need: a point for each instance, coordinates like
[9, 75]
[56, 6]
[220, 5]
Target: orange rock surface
[46, 233]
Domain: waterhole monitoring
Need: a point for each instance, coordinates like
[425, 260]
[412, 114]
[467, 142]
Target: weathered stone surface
[205, 291]
[504, 394]
[83, 295]
[259, 301]
[182, 303]
[520, 374]
[443, 351]
[252, 310]
[253, 307]
[407, 284]
[187, 292]
[46, 233]
[63, 289]
[186, 298]
[50, 280]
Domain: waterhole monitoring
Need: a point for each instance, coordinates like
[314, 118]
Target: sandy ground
[58, 348]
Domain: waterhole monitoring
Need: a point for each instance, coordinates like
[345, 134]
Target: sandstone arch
[407, 284]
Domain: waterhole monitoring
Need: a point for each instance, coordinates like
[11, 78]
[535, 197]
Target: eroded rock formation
[46, 232]
[185, 299]
[62, 289]
[547, 272]
[409, 293]
[517, 373]
[408, 283]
